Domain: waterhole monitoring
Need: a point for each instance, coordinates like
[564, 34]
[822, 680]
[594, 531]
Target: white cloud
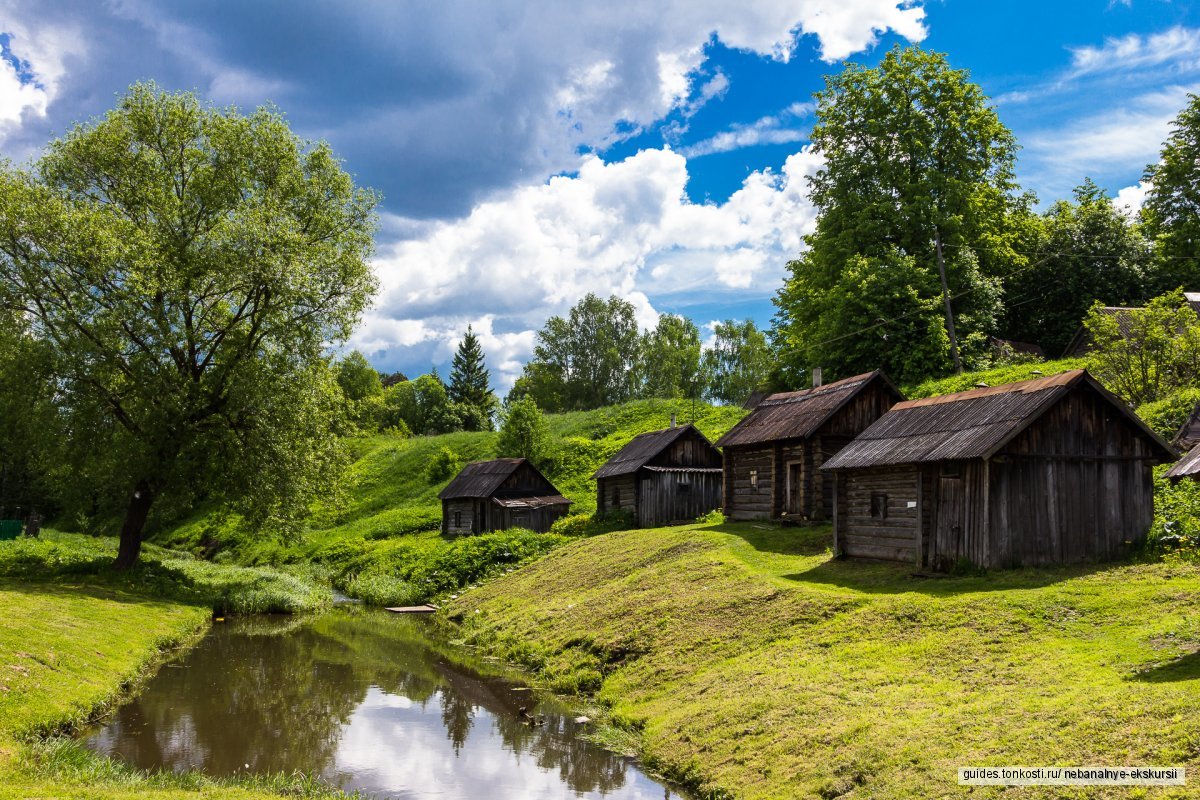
[624, 228]
[1131, 199]
[773, 129]
[32, 67]
[1137, 52]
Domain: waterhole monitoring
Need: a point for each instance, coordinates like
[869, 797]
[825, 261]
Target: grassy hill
[744, 659]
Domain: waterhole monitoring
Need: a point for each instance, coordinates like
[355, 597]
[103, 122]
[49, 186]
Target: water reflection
[368, 701]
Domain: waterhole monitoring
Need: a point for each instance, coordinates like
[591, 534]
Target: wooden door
[948, 527]
[794, 504]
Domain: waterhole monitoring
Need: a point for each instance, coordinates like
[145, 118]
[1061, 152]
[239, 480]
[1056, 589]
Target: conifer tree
[469, 379]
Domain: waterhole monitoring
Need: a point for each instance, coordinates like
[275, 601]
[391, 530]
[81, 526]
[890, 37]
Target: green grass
[69, 649]
[992, 377]
[749, 661]
[164, 574]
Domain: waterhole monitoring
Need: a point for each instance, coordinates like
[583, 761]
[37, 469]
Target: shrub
[714, 517]
[1176, 527]
[1167, 416]
[382, 590]
[444, 464]
[579, 525]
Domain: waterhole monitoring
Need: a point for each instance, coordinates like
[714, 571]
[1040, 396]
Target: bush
[714, 517]
[444, 464]
[1176, 527]
[580, 525]
[382, 590]
[1167, 416]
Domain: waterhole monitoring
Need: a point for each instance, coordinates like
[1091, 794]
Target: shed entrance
[949, 521]
[795, 487]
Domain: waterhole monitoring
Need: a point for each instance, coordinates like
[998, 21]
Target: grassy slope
[757, 664]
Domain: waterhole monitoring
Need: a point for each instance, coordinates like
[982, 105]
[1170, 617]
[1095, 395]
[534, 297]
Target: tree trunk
[135, 522]
[937, 240]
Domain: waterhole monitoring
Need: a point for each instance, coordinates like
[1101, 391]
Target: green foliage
[585, 361]
[357, 377]
[577, 525]
[29, 424]
[383, 590]
[1155, 353]
[993, 377]
[1170, 211]
[1176, 528]
[161, 573]
[469, 389]
[1168, 415]
[913, 155]
[523, 432]
[669, 359]
[738, 362]
[1084, 251]
[714, 517]
[444, 465]
[189, 266]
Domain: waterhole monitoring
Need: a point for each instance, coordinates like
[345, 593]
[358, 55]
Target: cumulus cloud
[33, 60]
[1130, 200]
[522, 87]
[623, 228]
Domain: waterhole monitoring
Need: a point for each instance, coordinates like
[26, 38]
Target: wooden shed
[1047, 471]
[500, 494]
[772, 456]
[1188, 439]
[666, 476]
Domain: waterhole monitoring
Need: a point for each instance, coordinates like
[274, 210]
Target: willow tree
[190, 266]
[918, 182]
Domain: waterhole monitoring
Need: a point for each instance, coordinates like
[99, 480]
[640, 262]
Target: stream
[368, 701]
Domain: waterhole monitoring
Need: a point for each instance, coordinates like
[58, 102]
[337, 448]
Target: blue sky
[530, 152]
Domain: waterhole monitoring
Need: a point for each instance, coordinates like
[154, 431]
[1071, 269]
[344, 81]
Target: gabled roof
[971, 424]
[641, 448]
[1188, 466]
[1189, 434]
[1081, 342]
[798, 415]
[483, 478]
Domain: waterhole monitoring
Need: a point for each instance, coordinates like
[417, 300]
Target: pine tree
[469, 379]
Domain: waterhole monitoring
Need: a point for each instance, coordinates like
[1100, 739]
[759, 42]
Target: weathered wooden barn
[772, 457]
[1188, 439]
[666, 476]
[1047, 471]
[500, 494]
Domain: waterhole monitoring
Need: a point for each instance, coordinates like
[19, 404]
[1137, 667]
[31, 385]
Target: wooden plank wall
[743, 501]
[660, 501]
[466, 507]
[690, 450]
[624, 489]
[859, 534]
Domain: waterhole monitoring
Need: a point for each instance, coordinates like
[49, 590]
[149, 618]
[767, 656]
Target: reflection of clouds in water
[397, 749]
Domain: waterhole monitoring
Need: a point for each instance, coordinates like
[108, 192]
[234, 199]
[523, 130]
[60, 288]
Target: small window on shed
[616, 497]
[683, 487]
[458, 519]
[952, 470]
[879, 505]
[754, 479]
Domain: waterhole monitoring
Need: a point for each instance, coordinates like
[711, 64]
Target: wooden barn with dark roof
[500, 494]
[772, 457]
[1188, 439]
[666, 476]
[1047, 471]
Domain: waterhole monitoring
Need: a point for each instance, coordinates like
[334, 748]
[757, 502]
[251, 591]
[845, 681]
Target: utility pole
[937, 241]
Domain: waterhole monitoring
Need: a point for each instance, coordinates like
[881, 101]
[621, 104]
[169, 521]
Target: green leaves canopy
[190, 266]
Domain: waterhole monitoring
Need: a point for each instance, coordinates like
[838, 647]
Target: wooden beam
[920, 554]
[836, 517]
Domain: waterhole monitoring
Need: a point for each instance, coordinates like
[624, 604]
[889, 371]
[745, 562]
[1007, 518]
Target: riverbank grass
[750, 661]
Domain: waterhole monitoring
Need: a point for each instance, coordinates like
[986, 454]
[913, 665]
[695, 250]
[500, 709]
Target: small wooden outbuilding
[666, 476]
[1047, 471]
[500, 494]
[1188, 439]
[773, 455]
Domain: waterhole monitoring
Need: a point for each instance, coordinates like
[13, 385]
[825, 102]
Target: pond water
[368, 701]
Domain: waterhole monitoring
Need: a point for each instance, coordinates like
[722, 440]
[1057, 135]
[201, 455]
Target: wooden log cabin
[666, 476]
[1053, 470]
[1188, 440]
[773, 455]
[500, 494]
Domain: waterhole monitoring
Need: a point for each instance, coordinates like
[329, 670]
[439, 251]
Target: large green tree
[1084, 251]
[670, 359]
[523, 432]
[738, 363]
[586, 360]
[917, 166]
[189, 266]
[470, 388]
[1172, 208]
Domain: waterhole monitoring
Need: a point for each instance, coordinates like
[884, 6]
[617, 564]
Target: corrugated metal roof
[531, 502]
[796, 415]
[965, 425]
[640, 449]
[1081, 342]
[480, 478]
[684, 469]
[1188, 466]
